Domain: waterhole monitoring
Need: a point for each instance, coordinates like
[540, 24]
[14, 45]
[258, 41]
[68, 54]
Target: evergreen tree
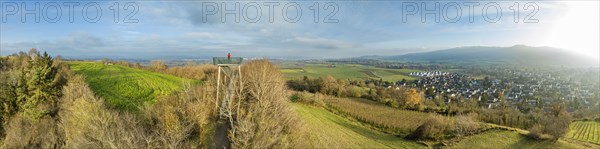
[38, 86]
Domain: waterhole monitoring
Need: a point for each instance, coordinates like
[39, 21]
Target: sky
[155, 29]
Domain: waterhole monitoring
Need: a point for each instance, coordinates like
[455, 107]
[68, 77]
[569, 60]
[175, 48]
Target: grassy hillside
[126, 87]
[348, 71]
[588, 131]
[327, 130]
[509, 139]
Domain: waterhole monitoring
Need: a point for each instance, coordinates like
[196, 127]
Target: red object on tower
[228, 56]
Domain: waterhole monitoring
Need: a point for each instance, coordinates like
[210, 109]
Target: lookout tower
[230, 73]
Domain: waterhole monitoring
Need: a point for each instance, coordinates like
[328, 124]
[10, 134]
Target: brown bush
[466, 124]
[158, 65]
[184, 120]
[315, 99]
[23, 132]
[87, 123]
[198, 72]
[265, 120]
[536, 132]
[553, 125]
[550, 127]
[434, 128]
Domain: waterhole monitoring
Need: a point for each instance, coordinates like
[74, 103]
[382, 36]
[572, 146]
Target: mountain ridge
[517, 54]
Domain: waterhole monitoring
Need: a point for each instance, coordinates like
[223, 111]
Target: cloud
[318, 42]
[201, 35]
[81, 39]
[79, 43]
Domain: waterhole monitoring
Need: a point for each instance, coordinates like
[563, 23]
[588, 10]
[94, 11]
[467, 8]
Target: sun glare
[577, 30]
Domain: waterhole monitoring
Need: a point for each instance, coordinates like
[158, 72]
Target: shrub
[392, 103]
[315, 99]
[553, 125]
[87, 123]
[556, 126]
[413, 98]
[434, 128]
[197, 72]
[536, 132]
[158, 65]
[183, 120]
[466, 124]
[355, 91]
[295, 97]
[24, 132]
[265, 120]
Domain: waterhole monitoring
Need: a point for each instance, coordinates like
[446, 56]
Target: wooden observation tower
[230, 73]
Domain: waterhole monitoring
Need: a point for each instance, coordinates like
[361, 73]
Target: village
[515, 87]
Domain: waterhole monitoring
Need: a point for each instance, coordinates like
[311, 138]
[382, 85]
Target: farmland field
[400, 121]
[126, 87]
[588, 131]
[327, 130]
[509, 139]
[348, 71]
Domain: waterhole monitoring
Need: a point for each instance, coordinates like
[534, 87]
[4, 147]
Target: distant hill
[518, 54]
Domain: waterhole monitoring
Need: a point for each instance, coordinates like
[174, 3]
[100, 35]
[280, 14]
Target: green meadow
[126, 87]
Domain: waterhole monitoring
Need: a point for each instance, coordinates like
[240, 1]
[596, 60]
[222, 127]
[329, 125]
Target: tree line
[190, 71]
[31, 85]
